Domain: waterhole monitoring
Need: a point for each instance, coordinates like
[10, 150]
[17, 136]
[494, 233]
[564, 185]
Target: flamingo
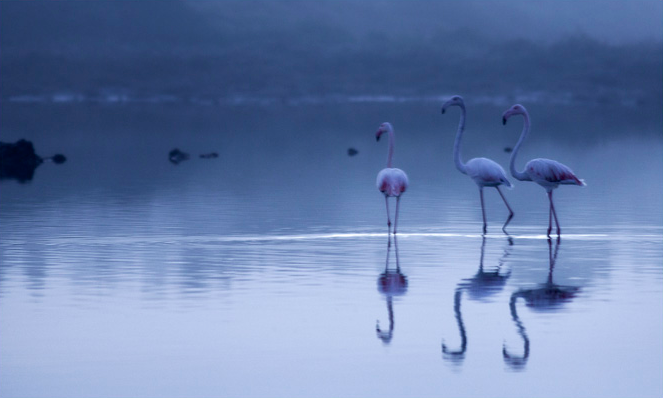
[484, 172]
[392, 182]
[545, 172]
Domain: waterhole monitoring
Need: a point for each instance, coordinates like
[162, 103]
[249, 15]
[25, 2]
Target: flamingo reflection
[480, 287]
[390, 283]
[548, 296]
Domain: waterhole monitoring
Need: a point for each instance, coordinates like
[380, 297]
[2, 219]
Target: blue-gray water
[262, 272]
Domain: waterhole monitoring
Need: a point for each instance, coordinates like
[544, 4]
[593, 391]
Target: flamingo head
[514, 110]
[456, 100]
[384, 128]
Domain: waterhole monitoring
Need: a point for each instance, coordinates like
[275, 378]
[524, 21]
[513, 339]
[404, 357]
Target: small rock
[210, 155]
[176, 156]
[58, 159]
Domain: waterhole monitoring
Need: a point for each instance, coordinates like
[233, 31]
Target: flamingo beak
[377, 136]
[445, 106]
[504, 120]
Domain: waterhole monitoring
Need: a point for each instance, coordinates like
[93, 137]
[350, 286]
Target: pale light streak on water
[265, 273]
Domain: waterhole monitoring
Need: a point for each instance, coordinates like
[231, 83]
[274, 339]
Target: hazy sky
[279, 47]
[613, 21]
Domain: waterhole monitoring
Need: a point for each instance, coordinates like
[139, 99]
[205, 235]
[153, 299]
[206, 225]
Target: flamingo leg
[508, 207]
[549, 217]
[398, 201]
[483, 210]
[386, 201]
[554, 214]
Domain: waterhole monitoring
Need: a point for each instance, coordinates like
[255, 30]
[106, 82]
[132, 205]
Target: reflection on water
[481, 286]
[391, 283]
[255, 274]
[548, 296]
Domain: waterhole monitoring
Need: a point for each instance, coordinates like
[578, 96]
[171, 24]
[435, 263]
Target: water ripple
[648, 235]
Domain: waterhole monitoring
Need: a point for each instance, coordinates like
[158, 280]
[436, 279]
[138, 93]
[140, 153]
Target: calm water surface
[267, 272]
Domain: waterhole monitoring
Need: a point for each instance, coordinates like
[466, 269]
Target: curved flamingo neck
[512, 165]
[390, 154]
[459, 135]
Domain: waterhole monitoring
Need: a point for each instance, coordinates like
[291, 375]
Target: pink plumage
[392, 182]
[551, 173]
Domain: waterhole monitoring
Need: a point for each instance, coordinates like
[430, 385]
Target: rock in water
[18, 160]
[176, 156]
[58, 159]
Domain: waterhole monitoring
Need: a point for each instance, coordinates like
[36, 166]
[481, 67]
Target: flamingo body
[392, 182]
[551, 173]
[486, 173]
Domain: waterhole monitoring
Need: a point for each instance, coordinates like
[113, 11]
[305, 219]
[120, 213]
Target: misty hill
[291, 49]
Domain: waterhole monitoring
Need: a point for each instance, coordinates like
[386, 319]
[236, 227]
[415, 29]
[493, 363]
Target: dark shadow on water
[479, 287]
[391, 283]
[547, 297]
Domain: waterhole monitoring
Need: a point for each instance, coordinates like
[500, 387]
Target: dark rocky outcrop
[18, 161]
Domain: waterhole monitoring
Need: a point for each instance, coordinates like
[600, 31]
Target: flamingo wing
[486, 172]
[546, 171]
